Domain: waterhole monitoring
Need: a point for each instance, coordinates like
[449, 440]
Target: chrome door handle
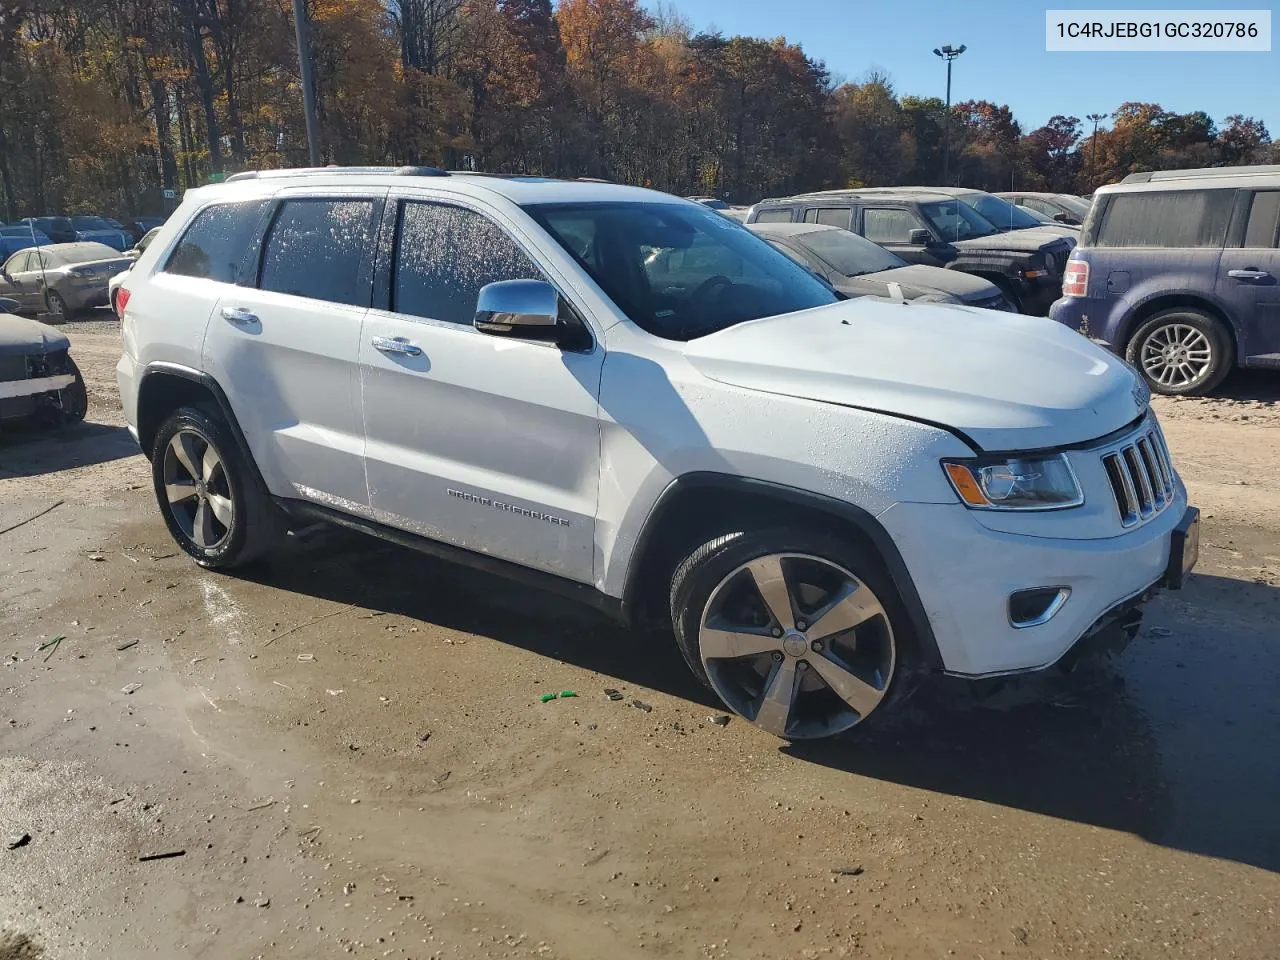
[398, 345]
[1249, 274]
[239, 316]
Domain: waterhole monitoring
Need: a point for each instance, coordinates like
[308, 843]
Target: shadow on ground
[1174, 741]
[30, 451]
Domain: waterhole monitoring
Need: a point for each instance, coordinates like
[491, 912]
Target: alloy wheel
[197, 489]
[1176, 355]
[798, 645]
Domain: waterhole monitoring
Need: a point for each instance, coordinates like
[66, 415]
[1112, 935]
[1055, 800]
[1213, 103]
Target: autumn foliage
[105, 104]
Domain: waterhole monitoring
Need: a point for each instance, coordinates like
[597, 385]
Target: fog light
[1031, 608]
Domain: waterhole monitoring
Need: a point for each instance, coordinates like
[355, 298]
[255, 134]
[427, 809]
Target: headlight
[1015, 483]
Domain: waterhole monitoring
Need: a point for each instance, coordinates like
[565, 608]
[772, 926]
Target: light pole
[308, 84]
[1097, 118]
[947, 53]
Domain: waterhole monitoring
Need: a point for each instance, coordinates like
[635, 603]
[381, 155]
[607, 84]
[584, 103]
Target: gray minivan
[1179, 272]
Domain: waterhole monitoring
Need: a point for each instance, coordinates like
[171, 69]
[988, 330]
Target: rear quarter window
[1174, 218]
[214, 245]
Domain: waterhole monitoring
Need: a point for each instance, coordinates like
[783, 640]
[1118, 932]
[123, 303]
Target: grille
[13, 368]
[1141, 476]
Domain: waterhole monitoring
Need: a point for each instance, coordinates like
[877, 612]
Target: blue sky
[1006, 61]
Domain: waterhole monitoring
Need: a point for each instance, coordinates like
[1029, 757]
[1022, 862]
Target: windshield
[1003, 214]
[955, 221]
[90, 223]
[680, 271]
[848, 253]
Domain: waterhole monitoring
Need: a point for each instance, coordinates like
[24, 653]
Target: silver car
[62, 278]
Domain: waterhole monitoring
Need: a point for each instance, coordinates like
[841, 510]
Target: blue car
[98, 230]
[13, 239]
[1179, 272]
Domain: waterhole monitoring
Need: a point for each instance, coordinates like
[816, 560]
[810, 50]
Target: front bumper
[1039, 293]
[965, 573]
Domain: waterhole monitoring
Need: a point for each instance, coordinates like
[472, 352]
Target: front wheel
[209, 500]
[1181, 352]
[796, 631]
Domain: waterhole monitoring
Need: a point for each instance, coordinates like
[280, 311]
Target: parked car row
[81, 227]
[61, 279]
[944, 227]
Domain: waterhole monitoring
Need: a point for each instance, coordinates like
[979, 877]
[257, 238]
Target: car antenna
[44, 284]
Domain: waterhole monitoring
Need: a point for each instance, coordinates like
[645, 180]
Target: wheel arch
[167, 386]
[1157, 303]
[696, 507]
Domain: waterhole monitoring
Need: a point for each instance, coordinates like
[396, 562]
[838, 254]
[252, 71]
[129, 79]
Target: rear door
[488, 443]
[829, 216]
[1248, 278]
[286, 347]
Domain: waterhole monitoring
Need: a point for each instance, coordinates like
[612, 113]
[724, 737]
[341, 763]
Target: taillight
[1075, 279]
[122, 301]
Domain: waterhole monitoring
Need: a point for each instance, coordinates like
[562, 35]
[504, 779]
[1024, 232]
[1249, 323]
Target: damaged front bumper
[32, 383]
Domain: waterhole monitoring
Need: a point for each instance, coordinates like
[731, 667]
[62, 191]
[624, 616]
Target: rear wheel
[1181, 352]
[209, 500]
[794, 630]
[58, 312]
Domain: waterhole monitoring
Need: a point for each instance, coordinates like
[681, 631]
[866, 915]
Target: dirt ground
[348, 749]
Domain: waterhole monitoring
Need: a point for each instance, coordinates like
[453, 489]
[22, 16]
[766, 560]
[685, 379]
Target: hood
[1019, 241]
[918, 280]
[1009, 382]
[20, 336]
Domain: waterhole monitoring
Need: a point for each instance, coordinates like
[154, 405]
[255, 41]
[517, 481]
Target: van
[1179, 272]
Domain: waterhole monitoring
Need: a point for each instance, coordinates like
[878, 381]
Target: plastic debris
[126, 645]
[51, 642]
[641, 705]
[567, 693]
[612, 694]
[162, 856]
[548, 697]
[720, 719]
[306, 658]
[847, 871]
[261, 806]
[131, 688]
[21, 840]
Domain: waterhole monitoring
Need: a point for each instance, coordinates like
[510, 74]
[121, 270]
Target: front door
[1248, 280]
[286, 347]
[483, 442]
[892, 228]
[17, 284]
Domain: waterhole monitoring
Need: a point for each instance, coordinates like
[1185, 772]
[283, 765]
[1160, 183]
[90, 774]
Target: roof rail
[1255, 170]
[326, 171]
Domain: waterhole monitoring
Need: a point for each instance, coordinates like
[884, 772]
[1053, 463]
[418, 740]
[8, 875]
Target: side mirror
[528, 309]
[920, 238]
[1065, 218]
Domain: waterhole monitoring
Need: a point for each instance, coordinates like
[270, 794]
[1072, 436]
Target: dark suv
[1179, 272]
[939, 231]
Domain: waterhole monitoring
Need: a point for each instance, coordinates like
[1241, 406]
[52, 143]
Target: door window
[315, 249]
[831, 216]
[775, 215]
[214, 245]
[1264, 219]
[1040, 206]
[17, 263]
[444, 255]
[887, 225]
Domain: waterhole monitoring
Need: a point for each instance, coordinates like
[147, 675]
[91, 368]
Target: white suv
[629, 398]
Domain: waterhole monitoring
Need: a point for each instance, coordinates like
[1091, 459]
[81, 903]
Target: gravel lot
[348, 748]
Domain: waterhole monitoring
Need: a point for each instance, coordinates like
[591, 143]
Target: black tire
[75, 398]
[1168, 325]
[57, 307]
[1009, 292]
[698, 577]
[255, 523]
